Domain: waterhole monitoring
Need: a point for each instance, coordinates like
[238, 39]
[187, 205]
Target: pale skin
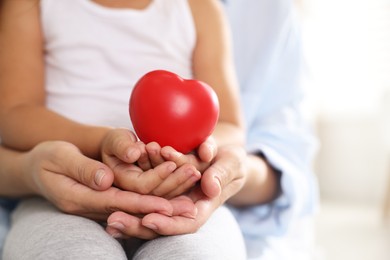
[25, 120]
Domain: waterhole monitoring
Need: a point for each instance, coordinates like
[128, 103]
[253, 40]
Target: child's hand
[165, 180]
[139, 171]
[201, 159]
[182, 179]
[189, 166]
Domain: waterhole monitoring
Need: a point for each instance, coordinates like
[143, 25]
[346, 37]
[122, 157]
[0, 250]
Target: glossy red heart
[173, 111]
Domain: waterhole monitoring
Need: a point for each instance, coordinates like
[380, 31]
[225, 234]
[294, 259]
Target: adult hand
[81, 186]
[220, 181]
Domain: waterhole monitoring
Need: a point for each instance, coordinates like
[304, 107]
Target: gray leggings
[40, 231]
[4, 225]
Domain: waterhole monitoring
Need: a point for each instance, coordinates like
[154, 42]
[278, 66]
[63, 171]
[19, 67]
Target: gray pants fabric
[39, 231]
[220, 238]
[4, 226]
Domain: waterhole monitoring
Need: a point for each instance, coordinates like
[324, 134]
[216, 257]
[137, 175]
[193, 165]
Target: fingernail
[218, 183]
[129, 153]
[117, 225]
[150, 226]
[99, 177]
[177, 154]
[174, 154]
[133, 137]
[117, 235]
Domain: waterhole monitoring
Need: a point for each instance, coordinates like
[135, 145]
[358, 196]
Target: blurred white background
[347, 48]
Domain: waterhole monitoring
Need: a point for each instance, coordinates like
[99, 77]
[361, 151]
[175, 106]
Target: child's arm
[213, 64]
[24, 119]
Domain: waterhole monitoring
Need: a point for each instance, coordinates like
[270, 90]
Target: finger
[134, 179]
[154, 151]
[211, 182]
[143, 160]
[122, 225]
[183, 188]
[177, 225]
[208, 149]
[183, 206]
[169, 153]
[122, 143]
[89, 172]
[180, 181]
[130, 202]
[226, 169]
[77, 199]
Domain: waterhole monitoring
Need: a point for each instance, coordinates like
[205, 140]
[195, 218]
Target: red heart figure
[173, 111]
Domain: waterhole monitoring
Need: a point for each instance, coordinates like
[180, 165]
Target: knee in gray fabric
[4, 226]
[40, 231]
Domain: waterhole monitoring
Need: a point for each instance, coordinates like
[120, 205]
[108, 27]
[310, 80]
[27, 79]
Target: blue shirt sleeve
[268, 58]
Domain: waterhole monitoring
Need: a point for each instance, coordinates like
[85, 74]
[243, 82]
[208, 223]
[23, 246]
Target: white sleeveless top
[94, 54]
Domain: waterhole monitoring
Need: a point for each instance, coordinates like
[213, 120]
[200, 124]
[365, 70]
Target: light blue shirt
[268, 57]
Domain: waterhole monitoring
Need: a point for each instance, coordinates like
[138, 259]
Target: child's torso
[95, 54]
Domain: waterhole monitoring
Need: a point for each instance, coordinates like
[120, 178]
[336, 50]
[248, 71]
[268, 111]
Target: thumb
[87, 171]
[208, 149]
[211, 182]
[224, 173]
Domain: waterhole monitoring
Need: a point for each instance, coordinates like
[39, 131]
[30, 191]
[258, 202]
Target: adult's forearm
[262, 184]
[24, 127]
